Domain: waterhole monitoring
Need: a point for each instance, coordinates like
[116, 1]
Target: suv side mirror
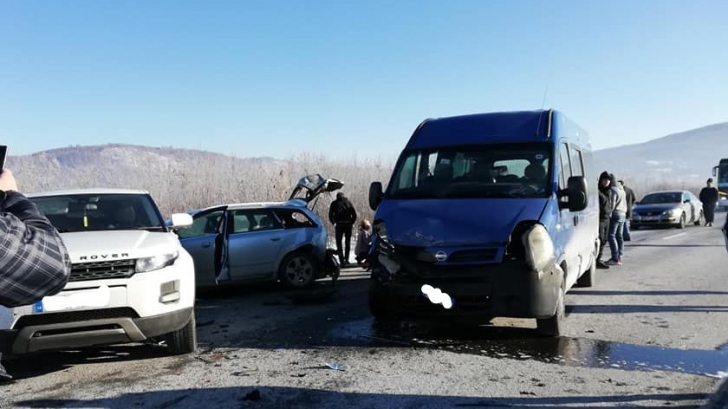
[181, 221]
[576, 194]
[375, 195]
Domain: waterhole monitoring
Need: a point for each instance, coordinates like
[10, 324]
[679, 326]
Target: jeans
[616, 238]
[626, 234]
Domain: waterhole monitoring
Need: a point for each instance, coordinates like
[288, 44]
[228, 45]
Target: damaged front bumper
[507, 289]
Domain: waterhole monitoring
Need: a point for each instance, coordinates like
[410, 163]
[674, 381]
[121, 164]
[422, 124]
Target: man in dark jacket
[34, 261]
[605, 214]
[343, 216]
[709, 196]
[629, 196]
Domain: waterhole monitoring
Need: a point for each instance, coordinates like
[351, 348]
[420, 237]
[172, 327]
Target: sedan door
[199, 240]
[254, 244]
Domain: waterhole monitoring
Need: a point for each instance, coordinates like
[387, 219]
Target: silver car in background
[669, 208]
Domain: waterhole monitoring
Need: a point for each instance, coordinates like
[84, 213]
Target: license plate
[96, 298]
[651, 217]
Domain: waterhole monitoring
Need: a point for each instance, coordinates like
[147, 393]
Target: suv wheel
[184, 340]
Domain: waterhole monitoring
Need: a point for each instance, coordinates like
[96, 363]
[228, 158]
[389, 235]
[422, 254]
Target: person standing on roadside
[605, 213]
[342, 215]
[34, 261]
[629, 196]
[709, 196]
[618, 205]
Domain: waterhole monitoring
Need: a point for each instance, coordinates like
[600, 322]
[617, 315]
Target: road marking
[673, 236]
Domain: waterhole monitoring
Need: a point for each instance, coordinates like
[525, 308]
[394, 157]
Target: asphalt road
[650, 334]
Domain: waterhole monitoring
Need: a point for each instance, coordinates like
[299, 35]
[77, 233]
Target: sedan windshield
[85, 212]
[479, 171]
[657, 198]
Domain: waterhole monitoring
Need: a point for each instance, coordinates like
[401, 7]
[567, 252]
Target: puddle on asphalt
[519, 343]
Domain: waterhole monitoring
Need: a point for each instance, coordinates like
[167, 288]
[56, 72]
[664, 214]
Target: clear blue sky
[270, 78]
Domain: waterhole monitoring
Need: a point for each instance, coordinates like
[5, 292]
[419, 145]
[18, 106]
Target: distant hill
[189, 178]
[682, 157]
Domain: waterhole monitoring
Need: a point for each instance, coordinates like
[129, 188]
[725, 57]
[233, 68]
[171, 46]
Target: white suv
[131, 279]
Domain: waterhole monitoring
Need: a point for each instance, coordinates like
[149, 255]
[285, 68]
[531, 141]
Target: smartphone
[3, 154]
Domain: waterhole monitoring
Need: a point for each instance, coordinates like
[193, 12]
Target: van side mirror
[376, 194]
[576, 194]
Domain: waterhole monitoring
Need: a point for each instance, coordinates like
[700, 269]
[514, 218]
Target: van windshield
[476, 171]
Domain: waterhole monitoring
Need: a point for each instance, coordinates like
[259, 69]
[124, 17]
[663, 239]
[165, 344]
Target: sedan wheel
[297, 270]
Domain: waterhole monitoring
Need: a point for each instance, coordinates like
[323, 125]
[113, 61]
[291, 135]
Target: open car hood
[310, 186]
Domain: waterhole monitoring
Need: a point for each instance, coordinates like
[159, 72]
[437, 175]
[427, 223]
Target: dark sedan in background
[670, 208]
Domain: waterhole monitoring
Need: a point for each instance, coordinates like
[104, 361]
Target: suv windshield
[496, 170]
[86, 212]
[656, 198]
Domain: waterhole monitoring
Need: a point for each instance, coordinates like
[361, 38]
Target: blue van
[500, 211]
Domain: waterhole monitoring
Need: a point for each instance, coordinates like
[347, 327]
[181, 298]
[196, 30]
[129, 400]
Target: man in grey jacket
[618, 201]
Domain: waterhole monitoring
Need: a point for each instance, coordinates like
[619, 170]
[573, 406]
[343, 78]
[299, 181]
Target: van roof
[513, 126]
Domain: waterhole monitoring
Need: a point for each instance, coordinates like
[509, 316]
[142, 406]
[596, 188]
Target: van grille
[102, 270]
[480, 255]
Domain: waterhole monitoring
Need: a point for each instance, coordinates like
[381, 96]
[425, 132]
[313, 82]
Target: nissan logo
[440, 256]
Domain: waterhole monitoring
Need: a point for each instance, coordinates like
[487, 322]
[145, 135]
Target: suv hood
[88, 246]
[456, 222]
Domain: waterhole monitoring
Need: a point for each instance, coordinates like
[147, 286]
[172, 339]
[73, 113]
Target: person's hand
[7, 181]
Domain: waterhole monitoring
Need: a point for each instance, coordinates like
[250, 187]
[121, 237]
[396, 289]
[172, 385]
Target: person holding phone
[34, 261]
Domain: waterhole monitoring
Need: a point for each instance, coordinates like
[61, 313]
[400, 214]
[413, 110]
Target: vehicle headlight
[156, 262]
[539, 248]
[383, 245]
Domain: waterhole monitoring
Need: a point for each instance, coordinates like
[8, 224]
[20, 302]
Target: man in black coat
[343, 216]
[709, 196]
[605, 214]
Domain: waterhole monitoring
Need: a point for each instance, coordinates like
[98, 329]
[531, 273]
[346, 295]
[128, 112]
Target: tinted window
[254, 220]
[655, 198]
[205, 223]
[84, 212]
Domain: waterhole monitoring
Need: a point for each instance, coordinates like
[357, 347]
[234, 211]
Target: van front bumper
[508, 289]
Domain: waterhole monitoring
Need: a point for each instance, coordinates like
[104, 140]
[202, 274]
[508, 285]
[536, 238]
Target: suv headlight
[539, 248]
[156, 262]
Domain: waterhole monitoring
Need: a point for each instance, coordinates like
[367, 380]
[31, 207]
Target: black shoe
[601, 265]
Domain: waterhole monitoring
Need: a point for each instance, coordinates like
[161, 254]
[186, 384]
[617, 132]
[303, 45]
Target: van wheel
[184, 340]
[589, 278]
[297, 270]
[554, 325]
[380, 302]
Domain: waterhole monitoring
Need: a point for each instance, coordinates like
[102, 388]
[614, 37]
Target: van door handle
[576, 220]
[205, 245]
[275, 238]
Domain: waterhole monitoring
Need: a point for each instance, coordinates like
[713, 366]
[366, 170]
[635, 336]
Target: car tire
[297, 270]
[554, 325]
[700, 219]
[379, 301]
[589, 278]
[682, 222]
[184, 340]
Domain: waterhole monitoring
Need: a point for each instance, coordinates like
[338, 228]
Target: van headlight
[157, 262]
[539, 248]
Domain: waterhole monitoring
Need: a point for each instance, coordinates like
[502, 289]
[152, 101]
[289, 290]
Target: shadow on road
[287, 397]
